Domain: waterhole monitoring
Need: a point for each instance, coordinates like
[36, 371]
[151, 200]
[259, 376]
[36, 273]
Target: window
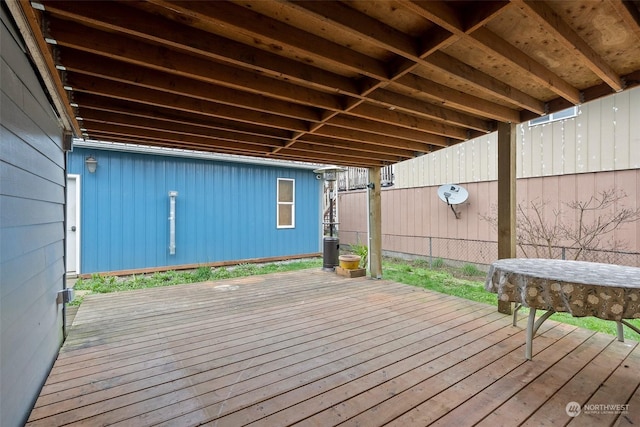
[286, 203]
[560, 115]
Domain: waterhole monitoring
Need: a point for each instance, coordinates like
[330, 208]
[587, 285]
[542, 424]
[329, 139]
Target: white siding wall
[604, 136]
[32, 187]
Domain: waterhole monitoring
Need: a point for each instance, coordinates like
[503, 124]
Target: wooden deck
[317, 349]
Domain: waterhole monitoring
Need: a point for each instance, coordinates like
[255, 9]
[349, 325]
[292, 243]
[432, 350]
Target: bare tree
[588, 235]
[533, 231]
[541, 234]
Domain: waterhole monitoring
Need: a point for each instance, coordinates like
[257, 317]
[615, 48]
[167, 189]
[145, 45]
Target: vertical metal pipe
[331, 218]
[172, 222]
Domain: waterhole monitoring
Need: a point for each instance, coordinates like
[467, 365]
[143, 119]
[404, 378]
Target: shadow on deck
[313, 348]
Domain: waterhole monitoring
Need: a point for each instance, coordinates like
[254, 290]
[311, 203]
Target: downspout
[172, 222]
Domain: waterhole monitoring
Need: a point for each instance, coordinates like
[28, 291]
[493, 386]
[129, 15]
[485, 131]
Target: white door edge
[78, 231]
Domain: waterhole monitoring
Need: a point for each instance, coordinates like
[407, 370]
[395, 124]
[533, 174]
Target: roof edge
[203, 155]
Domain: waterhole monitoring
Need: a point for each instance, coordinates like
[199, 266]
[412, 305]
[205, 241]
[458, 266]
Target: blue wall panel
[224, 211]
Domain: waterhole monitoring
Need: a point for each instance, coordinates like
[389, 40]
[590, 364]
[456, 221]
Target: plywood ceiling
[361, 83]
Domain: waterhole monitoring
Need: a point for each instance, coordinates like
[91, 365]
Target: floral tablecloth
[607, 291]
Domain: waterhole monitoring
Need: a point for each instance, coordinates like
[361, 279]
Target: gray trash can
[330, 253]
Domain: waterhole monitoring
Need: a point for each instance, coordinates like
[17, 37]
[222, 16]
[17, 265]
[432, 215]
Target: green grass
[105, 284]
[443, 279]
[470, 270]
[437, 263]
[438, 280]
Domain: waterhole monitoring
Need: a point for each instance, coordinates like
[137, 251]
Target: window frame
[292, 203]
[555, 117]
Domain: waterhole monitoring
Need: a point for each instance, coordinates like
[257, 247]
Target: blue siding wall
[224, 211]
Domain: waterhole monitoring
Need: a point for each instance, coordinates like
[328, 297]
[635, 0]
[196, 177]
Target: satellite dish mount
[452, 195]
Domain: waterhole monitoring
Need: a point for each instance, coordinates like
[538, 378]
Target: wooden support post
[375, 224]
[506, 197]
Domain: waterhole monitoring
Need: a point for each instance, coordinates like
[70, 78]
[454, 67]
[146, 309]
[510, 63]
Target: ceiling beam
[159, 77]
[147, 55]
[348, 20]
[568, 38]
[228, 17]
[29, 25]
[484, 82]
[309, 154]
[373, 138]
[444, 15]
[162, 135]
[409, 121]
[389, 99]
[151, 97]
[105, 68]
[91, 117]
[95, 116]
[364, 148]
[314, 80]
[171, 115]
[351, 21]
[118, 17]
[387, 132]
[494, 45]
[455, 99]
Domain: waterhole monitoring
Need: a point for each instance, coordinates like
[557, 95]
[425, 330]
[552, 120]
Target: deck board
[317, 349]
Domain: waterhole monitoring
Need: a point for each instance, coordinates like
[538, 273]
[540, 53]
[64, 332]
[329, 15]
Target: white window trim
[554, 117]
[292, 204]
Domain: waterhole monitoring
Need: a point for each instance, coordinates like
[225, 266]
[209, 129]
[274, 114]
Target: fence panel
[480, 252]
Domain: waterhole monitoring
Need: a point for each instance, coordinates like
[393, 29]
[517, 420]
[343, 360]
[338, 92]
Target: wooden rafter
[572, 41]
[362, 83]
[29, 25]
[484, 39]
[280, 35]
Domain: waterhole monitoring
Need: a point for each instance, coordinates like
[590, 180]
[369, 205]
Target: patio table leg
[515, 314]
[532, 318]
[620, 331]
[532, 328]
[628, 325]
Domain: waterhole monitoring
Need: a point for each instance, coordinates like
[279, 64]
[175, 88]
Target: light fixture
[329, 173]
[91, 163]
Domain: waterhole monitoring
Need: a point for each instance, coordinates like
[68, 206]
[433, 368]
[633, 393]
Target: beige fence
[479, 252]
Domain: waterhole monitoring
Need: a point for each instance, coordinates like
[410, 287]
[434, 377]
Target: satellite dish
[453, 194]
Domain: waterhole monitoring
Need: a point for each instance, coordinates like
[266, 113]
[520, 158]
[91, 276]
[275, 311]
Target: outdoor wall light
[91, 163]
[329, 173]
